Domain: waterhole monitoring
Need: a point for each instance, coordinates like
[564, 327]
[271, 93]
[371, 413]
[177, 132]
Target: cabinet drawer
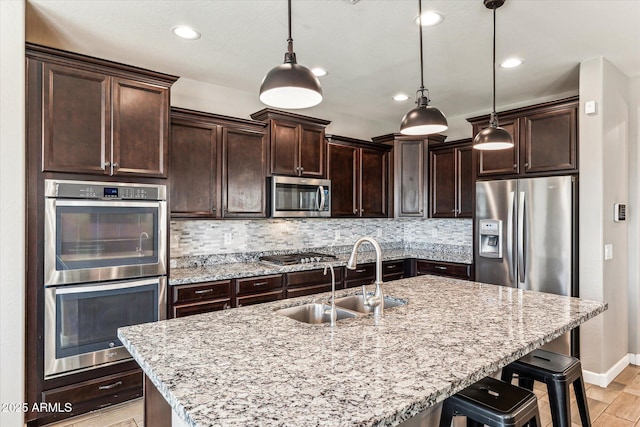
[308, 290]
[450, 269]
[313, 277]
[202, 307]
[112, 387]
[362, 271]
[392, 270]
[260, 298]
[201, 292]
[255, 285]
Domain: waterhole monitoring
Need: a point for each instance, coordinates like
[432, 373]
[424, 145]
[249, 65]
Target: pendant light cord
[494, 118]
[290, 39]
[421, 54]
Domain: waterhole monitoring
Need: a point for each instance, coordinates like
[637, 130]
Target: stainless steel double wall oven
[104, 267]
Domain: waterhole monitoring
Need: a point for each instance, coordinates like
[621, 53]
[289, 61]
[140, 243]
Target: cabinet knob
[526, 165]
[106, 164]
[515, 166]
[355, 211]
[115, 165]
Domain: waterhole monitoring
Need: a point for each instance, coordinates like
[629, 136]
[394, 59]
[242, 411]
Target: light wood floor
[618, 405]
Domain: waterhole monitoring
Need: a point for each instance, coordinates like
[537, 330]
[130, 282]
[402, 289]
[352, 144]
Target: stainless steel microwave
[293, 197]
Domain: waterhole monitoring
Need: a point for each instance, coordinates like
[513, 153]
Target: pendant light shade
[423, 120]
[290, 85]
[493, 137]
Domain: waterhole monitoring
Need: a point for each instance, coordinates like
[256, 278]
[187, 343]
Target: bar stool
[494, 403]
[558, 372]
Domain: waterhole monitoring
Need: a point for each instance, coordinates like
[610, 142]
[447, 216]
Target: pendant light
[423, 120]
[493, 137]
[290, 85]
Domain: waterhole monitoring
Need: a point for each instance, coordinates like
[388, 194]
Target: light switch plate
[590, 107]
[608, 251]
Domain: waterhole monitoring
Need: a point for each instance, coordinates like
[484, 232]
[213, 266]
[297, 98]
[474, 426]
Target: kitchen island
[252, 366]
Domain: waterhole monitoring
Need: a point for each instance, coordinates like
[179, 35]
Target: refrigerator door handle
[510, 221]
[521, 269]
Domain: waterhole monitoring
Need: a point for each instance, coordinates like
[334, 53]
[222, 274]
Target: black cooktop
[299, 258]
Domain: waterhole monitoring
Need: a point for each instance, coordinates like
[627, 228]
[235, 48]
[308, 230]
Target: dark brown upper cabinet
[218, 166]
[410, 172]
[451, 180]
[545, 137]
[100, 117]
[296, 142]
[359, 172]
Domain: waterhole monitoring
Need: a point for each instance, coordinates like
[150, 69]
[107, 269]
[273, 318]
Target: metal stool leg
[581, 400]
[447, 414]
[561, 411]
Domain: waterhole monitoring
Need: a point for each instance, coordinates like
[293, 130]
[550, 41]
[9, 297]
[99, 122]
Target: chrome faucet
[377, 300]
[332, 311]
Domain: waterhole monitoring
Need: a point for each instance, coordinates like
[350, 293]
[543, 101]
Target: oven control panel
[103, 190]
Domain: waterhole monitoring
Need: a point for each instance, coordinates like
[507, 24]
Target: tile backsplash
[209, 237]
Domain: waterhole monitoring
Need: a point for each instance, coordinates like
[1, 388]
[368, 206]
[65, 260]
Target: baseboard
[634, 359]
[605, 379]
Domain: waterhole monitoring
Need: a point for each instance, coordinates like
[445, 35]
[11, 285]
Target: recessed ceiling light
[429, 18]
[319, 72]
[511, 62]
[185, 32]
[400, 97]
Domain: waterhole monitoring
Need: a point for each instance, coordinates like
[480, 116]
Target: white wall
[12, 208]
[604, 177]
[634, 221]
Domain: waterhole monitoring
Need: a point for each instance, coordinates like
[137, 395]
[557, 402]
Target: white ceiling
[370, 48]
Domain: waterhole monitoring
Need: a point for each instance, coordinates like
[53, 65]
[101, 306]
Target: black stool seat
[494, 403]
[558, 372]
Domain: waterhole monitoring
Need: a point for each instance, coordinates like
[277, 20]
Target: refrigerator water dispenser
[490, 234]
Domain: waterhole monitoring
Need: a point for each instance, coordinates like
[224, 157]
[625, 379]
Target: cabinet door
[312, 148]
[550, 142]
[76, 131]
[410, 173]
[464, 182]
[140, 128]
[243, 173]
[193, 170]
[285, 139]
[374, 183]
[343, 173]
[443, 183]
[500, 162]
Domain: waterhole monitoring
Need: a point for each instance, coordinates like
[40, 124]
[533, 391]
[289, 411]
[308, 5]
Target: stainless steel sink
[315, 313]
[356, 303]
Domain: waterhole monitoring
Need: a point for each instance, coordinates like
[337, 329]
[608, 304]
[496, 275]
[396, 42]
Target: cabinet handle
[259, 284]
[110, 386]
[355, 211]
[115, 165]
[203, 291]
[389, 267]
[106, 164]
[439, 267]
[362, 270]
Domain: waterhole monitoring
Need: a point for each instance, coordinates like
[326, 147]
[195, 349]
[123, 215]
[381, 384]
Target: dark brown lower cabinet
[91, 395]
[157, 411]
[200, 298]
[255, 290]
[392, 270]
[449, 269]
[363, 274]
[300, 283]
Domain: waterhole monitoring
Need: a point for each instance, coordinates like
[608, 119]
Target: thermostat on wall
[619, 212]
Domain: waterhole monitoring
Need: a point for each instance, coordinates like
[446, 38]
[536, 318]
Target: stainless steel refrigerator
[525, 237]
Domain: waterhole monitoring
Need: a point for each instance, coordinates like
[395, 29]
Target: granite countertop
[252, 366]
[222, 271]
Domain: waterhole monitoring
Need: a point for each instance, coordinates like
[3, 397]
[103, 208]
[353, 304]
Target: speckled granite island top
[250, 366]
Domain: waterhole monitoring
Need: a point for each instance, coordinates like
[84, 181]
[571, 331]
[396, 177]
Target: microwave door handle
[320, 201]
